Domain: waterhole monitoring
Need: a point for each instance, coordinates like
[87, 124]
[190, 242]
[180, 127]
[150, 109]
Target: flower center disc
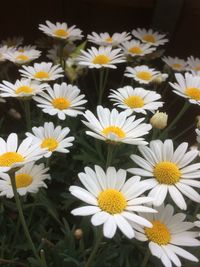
[42, 75]
[134, 101]
[167, 172]
[49, 143]
[113, 131]
[61, 33]
[193, 93]
[149, 38]
[176, 66]
[159, 233]
[144, 75]
[135, 50]
[9, 158]
[24, 89]
[61, 103]
[23, 180]
[109, 40]
[22, 57]
[197, 68]
[112, 201]
[101, 59]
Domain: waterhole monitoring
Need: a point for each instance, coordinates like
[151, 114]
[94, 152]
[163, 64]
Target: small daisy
[168, 171]
[149, 36]
[105, 39]
[22, 57]
[42, 71]
[23, 88]
[52, 138]
[136, 48]
[105, 57]
[187, 86]
[28, 180]
[175, 63]
[61, 31]
[193, 64]
[13, 41]
[112, 200]
[61, 100]
[12, 156]
[116, 126]
[137, 99]
[168, 234]
[142, 74]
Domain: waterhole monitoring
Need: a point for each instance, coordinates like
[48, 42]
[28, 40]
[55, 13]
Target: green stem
[21, 216]
[109, 155]
[27, 114]
[43, 259]
[102, 83]
[146, 259]
[184, 131]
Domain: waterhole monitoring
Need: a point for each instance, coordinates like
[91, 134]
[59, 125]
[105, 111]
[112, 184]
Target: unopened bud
[160, 78]
[159, 120]
[14, 113]
[78, 233]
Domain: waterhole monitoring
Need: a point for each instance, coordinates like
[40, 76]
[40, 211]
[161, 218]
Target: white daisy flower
[21, 88]
[106, 57]
[12, 156]
[193, 64]
[137, 99]
[13, 41]
[112, 200]
[105, 39]
[61, 31]
[54, 53]
[52, 138]
[3, 50]
[136, 48]
[142, 74]
[28, 180]
[22, 57]
[61, 100]
[175, 63]
[168, 171]
[44, 71]
[168, 234]
[187, 86]
[149, 36]
[197, 223]
[116, 126]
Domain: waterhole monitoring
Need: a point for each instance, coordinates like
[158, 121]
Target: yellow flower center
[22, 57]
[24, 89]
[101, 59]
[9, 158]
[134, 101]
[144, 75]
[41, 75]
[193, 93]
[135, 50]
[112, 201]
[114, 130]
[149, 38]
[23, 180]
[61, 103]
[109, 40]
[167, 172]
[197, 68]
[50, 143]
[61, 33]
[159, 233]
[176, 66]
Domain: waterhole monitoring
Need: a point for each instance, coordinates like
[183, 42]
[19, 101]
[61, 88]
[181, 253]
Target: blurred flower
[3, 51]
[149, 36]
[22, 57]
[54, 52]
[193, 64]
[175, 63]
[136, 48]
[13, 41]
[159, 120]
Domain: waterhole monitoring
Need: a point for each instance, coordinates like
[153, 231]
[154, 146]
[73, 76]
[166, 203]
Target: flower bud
[78, 233]
[14, 113]
[159, 120]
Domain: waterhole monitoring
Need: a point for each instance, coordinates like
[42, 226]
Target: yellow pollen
[50, 143]
[101, 59]
[134, 101]
[149, 38]
[61, 103]
[197, 68]
[22, 57]
[41, 75]
[24, 89]
[109, 40]
[159, 233]
[193, 93]
[61, 33]
[167, 172]
[135, 50]
[144, 75]
[9, 158]
[115, 131]
[176, 66]
[23, 180]
[112, 201]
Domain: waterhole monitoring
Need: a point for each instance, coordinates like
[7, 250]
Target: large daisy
[150, 36]
[102, 57]
[137, 99]
[13, 156]
[114, 126]
[52, 138]
[168, 171]
[175, 63]
[112, 201]
[187, 86]
[168, 234]
[28, 180]
[44, 71]
[22, 57]
[61, 31]
[23, 88]
[61, 100]
[136, 48]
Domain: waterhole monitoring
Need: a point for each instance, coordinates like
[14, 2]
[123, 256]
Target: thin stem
[27, 114]
[109, 155]
[184, 131]
[43, 259]
[101, 85]
[146, 258]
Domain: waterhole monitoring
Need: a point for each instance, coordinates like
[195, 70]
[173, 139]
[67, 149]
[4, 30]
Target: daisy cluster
[133, 179]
